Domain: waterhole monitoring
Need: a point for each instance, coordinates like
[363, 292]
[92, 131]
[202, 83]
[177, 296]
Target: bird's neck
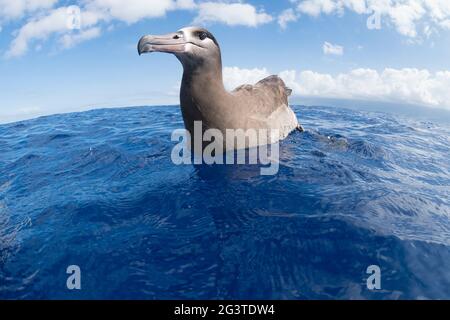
[203, 82]
[203, 96]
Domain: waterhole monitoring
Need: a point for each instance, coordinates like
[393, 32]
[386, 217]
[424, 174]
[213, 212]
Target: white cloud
[409, 85]
[333, 49]
[317, 7]
[51, 22]
[95, 11]
[13, 9]
[404, 15]
[132, 11]
[445, 24]
[55, 22]
[38, 29]
[71, 40]
[234, 76]
[232, 14]
[359, 6]
[287, 16]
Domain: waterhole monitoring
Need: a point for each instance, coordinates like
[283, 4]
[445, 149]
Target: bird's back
[265, 105]
[264, 97]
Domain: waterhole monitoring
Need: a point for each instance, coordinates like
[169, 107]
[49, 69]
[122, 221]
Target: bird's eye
[203, 36]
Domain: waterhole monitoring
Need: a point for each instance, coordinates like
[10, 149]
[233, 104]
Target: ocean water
[98, 189]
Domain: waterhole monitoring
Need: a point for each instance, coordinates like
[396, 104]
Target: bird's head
[193, 46]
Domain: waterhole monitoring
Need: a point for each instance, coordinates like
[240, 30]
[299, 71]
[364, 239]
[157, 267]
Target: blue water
[98, 190]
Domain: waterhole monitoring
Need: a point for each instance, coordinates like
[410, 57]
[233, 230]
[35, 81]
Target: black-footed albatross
[203, 96]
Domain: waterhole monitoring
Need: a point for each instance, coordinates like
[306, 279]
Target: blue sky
[321, 48]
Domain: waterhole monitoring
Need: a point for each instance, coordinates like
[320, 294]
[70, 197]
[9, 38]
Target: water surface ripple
[98, 189]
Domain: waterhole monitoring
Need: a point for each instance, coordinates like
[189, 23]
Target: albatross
[203, 96]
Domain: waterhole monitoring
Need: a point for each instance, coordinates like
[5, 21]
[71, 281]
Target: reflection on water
[98, 189]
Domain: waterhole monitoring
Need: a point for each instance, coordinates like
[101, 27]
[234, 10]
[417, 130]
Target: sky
[61, 56]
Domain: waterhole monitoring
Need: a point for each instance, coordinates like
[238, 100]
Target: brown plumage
[269, 94]
[204, 98]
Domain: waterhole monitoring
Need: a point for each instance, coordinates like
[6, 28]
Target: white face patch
[191, 34]
[208, 42]
[189, 47]
[199, 46]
